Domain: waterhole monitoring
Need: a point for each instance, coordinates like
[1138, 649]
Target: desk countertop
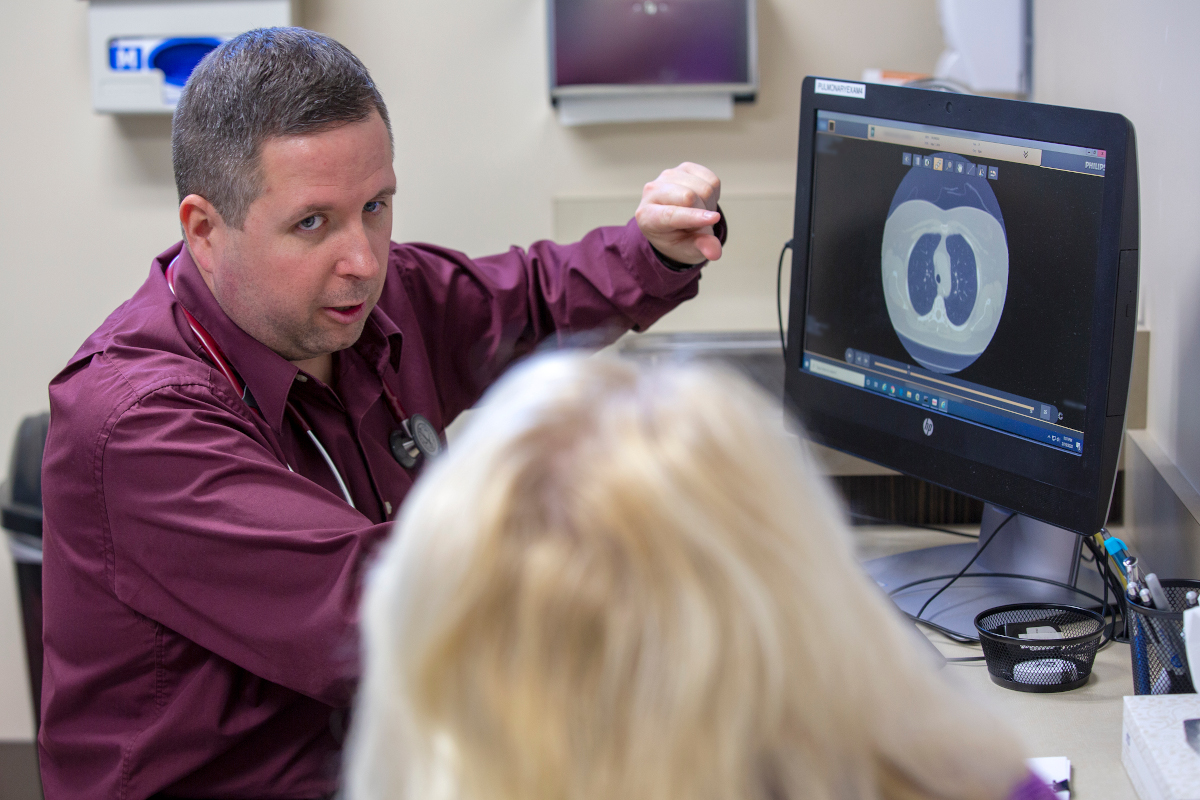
[1084, 725]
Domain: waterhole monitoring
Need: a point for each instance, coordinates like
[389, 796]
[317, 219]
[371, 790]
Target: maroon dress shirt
[200, 598]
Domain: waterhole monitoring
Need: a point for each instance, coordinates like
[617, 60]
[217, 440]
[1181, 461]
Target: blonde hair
[629, 583]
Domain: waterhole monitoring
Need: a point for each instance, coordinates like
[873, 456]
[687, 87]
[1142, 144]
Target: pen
[1156, 592]
[1117, 551]
[1167, 634]
[1130, 564]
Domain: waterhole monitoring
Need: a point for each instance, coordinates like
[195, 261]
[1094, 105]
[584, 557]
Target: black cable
[963, 639]
[1105, 606]
[949, 634]
[1010, 575]
[978, 551]
[779, 296]
[1108, 633]
[1110, 581]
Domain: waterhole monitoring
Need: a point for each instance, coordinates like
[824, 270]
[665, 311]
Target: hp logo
[927, 426]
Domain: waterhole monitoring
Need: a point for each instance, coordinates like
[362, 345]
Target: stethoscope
[416, 436]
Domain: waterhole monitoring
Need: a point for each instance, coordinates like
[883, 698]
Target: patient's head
[631, 583]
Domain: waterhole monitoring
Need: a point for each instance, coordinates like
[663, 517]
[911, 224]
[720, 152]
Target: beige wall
[1140, 59]
[86, 200]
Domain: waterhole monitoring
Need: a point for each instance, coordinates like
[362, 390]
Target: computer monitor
[962, 310]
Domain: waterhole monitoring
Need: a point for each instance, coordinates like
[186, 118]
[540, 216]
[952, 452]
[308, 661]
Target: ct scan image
[945, 262]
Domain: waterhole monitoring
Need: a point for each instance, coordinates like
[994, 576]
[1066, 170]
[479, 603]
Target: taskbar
[907, 384]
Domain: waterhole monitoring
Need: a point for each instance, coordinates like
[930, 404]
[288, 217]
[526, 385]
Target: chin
[344, 342]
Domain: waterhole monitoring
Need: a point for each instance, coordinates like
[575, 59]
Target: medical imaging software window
[954, 270]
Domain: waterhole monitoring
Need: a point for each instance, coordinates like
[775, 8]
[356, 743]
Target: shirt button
[302, 378]
[387, 507]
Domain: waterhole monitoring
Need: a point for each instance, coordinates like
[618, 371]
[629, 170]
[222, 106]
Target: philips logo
[841, 89]
[1096, 165]
[927, 426]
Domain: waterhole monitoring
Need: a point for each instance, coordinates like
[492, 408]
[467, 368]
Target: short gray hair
[264, 83]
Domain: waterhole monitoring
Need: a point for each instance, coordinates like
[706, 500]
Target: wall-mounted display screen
[631, 43]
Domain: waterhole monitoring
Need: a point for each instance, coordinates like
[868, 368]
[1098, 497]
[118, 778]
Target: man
[229, 448]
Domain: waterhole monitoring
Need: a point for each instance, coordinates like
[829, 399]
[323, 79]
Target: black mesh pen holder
[1039, 647]
[1156, 643]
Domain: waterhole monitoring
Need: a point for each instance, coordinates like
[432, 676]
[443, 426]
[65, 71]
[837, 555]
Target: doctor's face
[308, 265]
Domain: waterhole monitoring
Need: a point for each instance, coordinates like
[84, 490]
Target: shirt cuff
[720, 230]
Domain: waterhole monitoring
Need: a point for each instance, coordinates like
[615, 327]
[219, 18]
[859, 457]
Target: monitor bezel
[1063, 489]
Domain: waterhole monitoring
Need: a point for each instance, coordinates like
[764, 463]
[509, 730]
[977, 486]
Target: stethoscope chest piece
[416, 438]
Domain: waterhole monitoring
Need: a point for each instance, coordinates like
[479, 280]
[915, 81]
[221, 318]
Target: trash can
[21, 518]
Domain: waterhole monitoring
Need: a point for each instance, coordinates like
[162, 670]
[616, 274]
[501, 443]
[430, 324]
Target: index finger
[664, 218]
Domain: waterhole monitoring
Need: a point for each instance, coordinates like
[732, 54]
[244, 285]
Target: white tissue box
[1154, 747]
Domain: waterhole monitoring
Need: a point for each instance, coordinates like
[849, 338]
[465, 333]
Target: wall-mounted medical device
[989, 45]
[142, 51]
[646, 60]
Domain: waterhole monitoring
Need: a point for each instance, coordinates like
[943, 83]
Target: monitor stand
[1024, 546]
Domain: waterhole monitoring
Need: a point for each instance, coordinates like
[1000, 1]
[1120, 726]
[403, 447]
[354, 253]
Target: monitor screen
[625, 43]
[954, 270]
[963, 295]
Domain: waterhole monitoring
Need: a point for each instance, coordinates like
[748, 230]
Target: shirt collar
[268, 375]
[381, 342]
[265, 373]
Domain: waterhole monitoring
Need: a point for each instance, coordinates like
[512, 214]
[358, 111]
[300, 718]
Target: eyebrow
[317, 208]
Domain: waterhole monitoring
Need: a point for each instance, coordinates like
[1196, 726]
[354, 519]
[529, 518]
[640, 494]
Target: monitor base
[1023, 546]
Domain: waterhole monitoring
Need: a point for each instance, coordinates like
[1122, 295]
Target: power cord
[961, 572]
[779, 295]
[960, 638]
[1110, 581]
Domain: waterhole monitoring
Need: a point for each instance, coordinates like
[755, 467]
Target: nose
[356, 259]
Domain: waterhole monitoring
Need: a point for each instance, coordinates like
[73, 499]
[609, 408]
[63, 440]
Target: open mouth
[346, 312]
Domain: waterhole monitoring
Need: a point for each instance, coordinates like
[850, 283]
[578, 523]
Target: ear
[204, 231]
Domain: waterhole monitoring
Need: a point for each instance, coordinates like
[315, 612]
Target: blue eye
[373, 206]
[311, 223]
